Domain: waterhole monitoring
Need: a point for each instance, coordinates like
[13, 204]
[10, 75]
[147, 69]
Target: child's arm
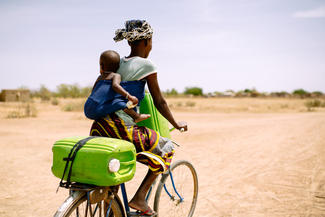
[119, 89]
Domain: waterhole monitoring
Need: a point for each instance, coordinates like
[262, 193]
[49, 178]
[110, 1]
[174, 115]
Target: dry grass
[234, 105]
[73, 105]
[55, 101]
[18, 110]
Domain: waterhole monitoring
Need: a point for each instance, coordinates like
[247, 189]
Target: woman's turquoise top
[134, 69]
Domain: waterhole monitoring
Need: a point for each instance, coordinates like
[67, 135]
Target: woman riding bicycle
[158, 151]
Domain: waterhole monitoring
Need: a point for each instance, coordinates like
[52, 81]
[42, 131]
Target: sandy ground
[249, 164]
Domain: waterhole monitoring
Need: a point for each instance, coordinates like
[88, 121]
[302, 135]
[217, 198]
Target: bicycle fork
[181, 199]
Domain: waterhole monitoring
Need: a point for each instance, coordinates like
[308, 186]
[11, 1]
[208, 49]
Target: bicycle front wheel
[177, 191]
[76, 206]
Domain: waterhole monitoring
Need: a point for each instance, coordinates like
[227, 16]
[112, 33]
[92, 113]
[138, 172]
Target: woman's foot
[142, 207]
[141, 117]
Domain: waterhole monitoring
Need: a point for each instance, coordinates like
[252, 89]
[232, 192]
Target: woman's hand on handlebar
[182, 126]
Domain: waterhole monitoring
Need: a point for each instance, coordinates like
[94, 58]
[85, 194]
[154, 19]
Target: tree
[43, 93]
[317, 94]
[172, 92]
[74, 91]
[63, 90]
[85, 92]
[301, 93]
[195, 91]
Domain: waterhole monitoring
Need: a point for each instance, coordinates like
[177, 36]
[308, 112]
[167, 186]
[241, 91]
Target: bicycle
[179, 200]
[180, 182]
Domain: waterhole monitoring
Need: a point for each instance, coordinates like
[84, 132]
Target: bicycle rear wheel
[76, 206]
[181, 194]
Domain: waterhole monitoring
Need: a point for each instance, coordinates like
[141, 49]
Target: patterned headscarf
[134, 30]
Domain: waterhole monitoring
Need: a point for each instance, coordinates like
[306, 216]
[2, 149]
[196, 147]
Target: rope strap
[70, 159]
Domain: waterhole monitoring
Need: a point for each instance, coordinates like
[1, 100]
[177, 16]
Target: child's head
[109, 61]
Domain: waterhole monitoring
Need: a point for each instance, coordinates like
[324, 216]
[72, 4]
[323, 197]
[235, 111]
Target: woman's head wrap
[134, 30]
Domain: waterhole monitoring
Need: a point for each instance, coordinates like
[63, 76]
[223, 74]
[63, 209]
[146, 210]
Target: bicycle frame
[93, 196]
[125, 199]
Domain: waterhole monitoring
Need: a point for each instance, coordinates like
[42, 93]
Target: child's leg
[136, 116]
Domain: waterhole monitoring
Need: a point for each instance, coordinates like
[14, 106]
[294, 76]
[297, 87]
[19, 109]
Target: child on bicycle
[108, 95]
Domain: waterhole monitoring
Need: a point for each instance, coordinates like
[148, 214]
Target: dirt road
[248, 164]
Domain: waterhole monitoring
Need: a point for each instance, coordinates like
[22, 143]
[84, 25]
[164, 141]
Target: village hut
[15, 95]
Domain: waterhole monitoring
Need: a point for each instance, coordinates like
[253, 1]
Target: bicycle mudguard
[90, 164]
[156, 122]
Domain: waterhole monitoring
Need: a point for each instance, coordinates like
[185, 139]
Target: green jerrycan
[156, 122]
[93, 162]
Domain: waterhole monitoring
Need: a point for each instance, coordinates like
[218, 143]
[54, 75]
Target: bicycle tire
[183, 174]
[78, 200]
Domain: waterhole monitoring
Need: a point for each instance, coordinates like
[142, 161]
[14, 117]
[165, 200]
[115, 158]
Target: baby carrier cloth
[104, 100]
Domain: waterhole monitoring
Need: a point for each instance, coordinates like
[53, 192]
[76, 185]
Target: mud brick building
[14, 95]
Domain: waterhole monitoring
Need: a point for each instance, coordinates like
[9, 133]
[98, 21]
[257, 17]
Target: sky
[270, 45]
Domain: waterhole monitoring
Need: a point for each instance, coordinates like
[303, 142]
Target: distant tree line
[62, 91]
[194, 91]
[197, 91]
[75, 91]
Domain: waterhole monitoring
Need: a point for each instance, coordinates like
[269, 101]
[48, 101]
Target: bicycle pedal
[138, 214]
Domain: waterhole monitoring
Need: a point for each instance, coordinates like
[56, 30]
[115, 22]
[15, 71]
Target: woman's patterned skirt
[147, 142]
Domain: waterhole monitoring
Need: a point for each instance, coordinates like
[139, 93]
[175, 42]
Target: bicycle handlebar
[171, 129]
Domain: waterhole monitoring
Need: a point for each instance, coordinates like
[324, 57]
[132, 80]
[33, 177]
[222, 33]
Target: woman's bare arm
[161, 103]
